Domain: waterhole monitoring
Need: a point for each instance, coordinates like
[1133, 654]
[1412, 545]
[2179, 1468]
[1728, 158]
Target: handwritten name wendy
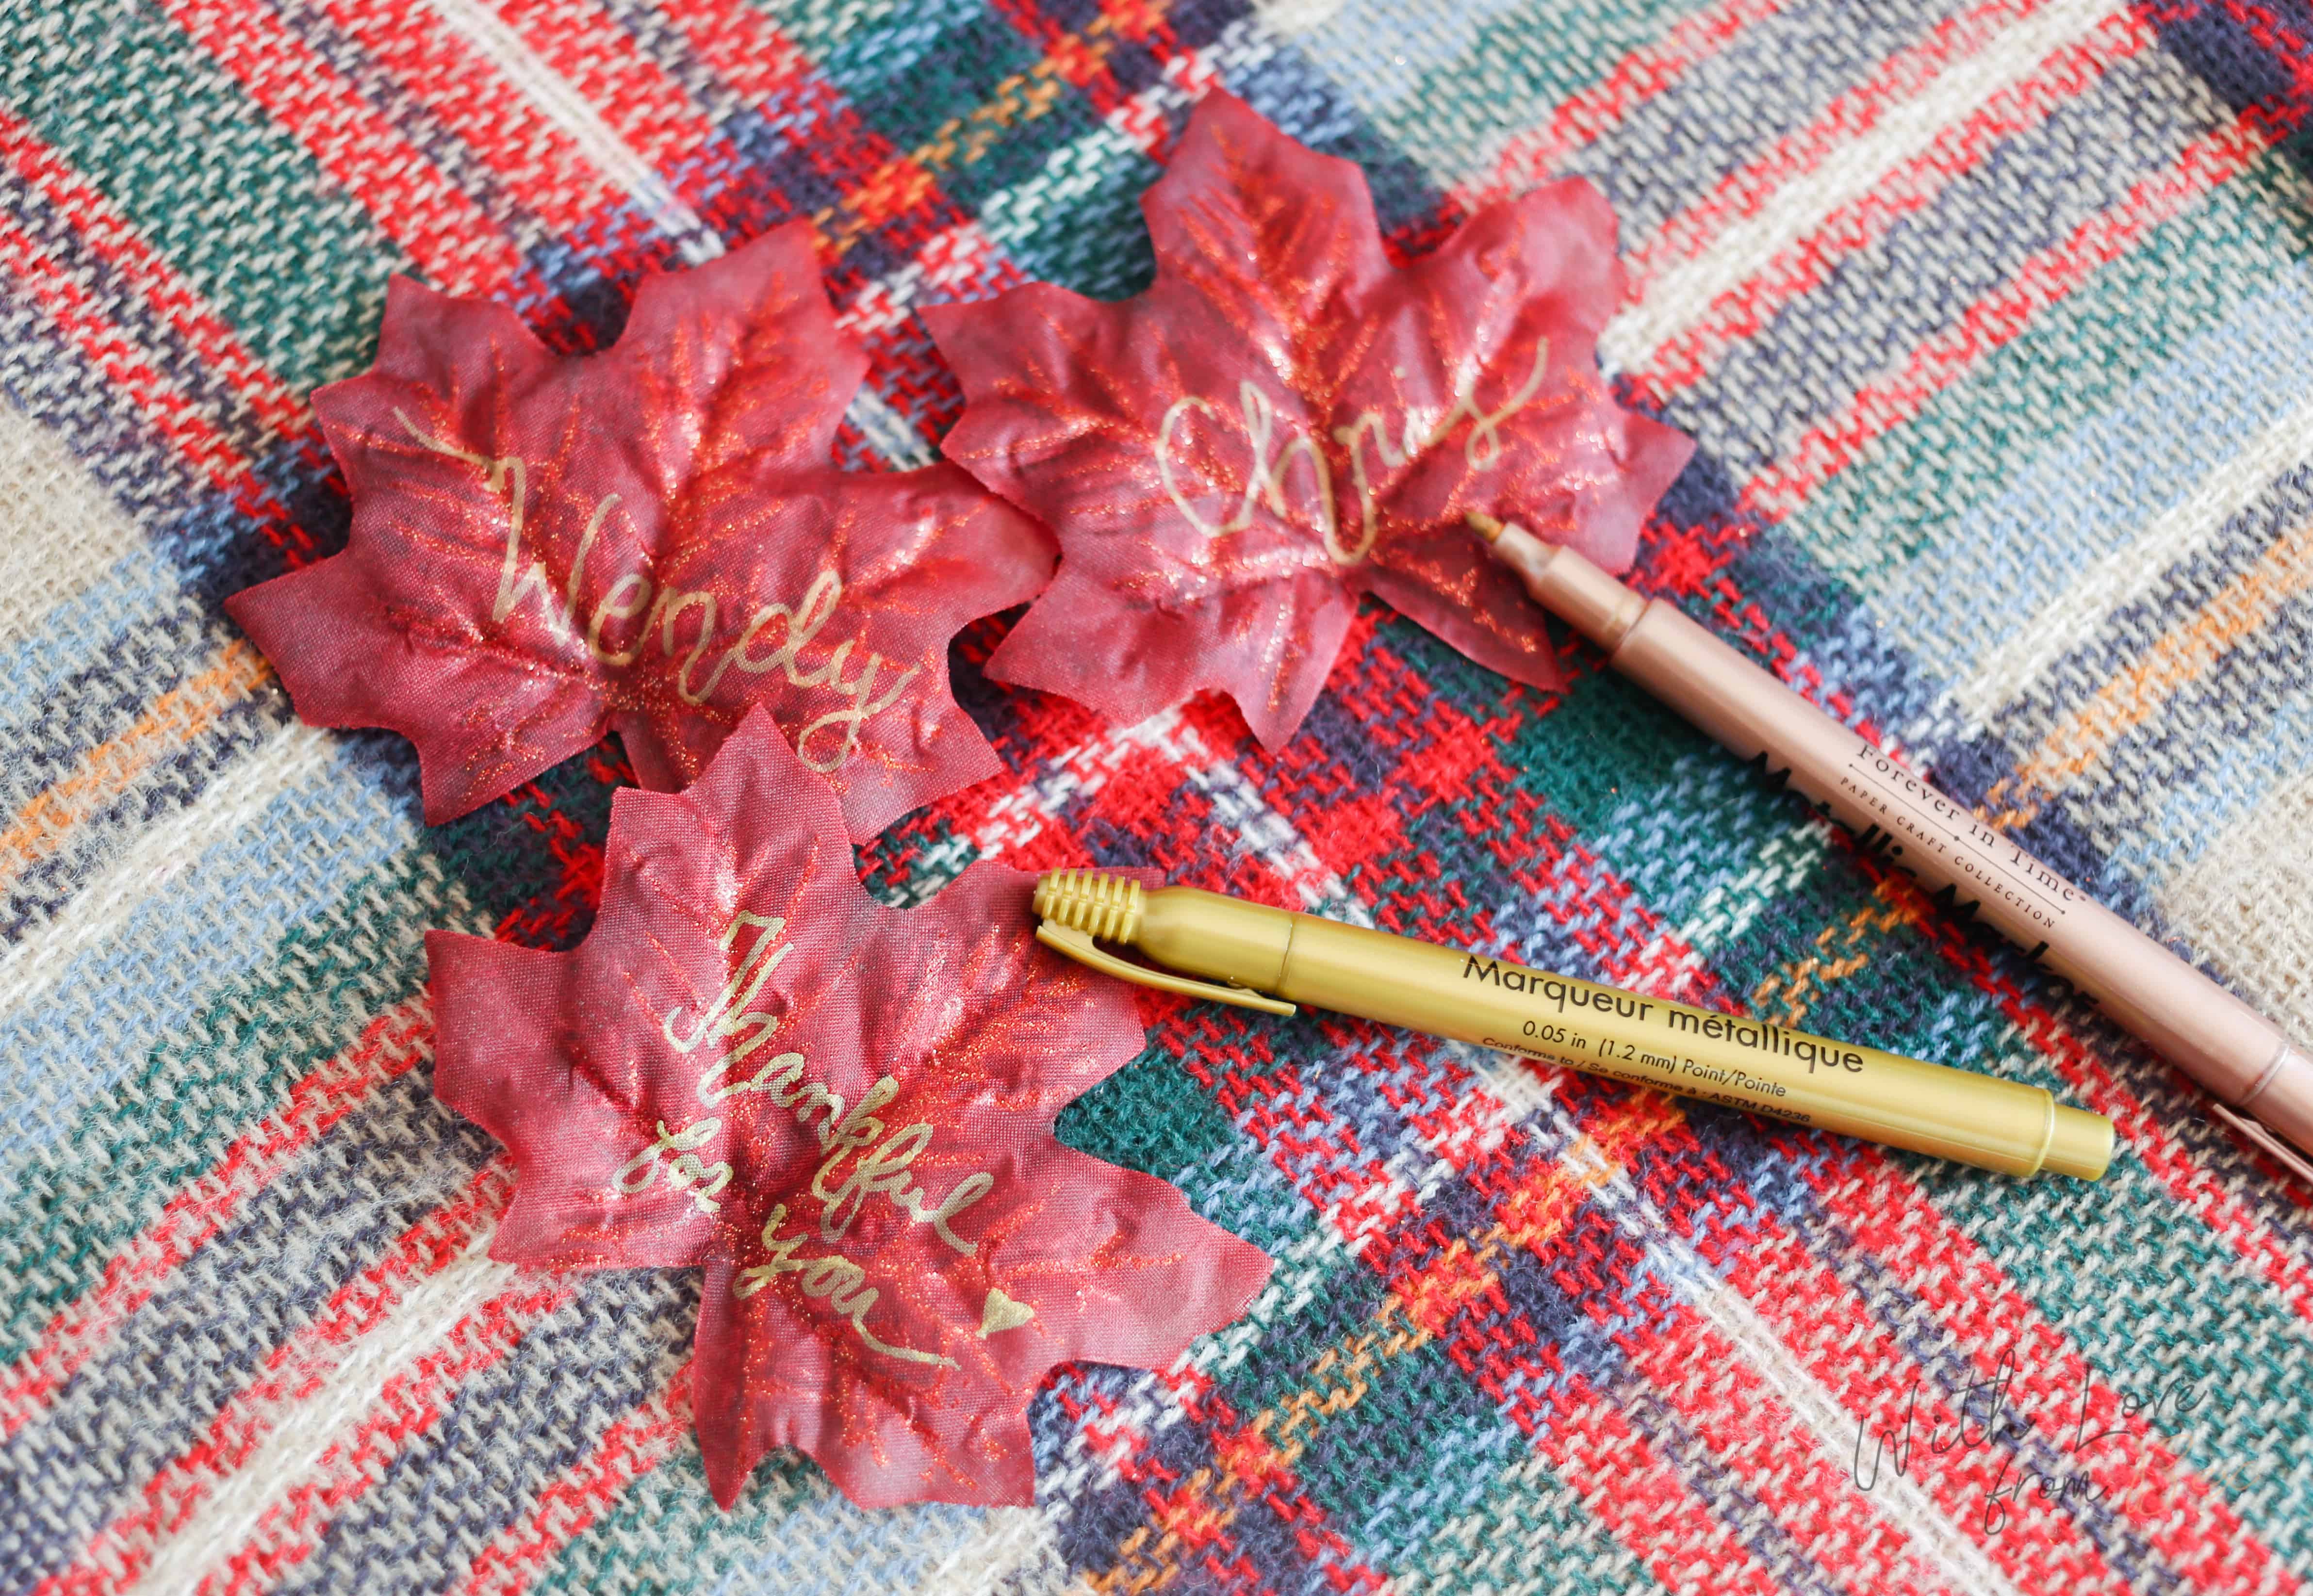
[773, 640]
[1275, 452]
[863, 1158]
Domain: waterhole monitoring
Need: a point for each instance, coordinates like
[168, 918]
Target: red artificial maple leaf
[844, 1112]
[1284, 420]
[650, 539]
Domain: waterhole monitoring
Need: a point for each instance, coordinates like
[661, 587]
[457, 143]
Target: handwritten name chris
[1274, 452]
[773, 639]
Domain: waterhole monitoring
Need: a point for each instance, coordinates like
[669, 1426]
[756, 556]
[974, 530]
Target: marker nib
[1486, 526]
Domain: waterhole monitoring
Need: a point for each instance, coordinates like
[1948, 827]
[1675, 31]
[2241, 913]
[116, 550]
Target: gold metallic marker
[1747, 1063]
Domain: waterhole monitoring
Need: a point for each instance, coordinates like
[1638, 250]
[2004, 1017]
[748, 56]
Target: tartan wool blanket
[1993, 321]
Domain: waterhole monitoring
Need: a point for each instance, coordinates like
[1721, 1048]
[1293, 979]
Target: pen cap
[1194, 931]
[2080, 1145]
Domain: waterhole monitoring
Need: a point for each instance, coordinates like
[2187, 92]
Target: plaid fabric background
[1993, 321]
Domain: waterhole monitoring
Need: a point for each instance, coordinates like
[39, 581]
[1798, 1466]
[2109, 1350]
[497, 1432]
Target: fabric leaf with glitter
[1285, 420]
[844, 1112]
[650, 539]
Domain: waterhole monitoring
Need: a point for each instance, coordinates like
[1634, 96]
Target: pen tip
[1486, 526]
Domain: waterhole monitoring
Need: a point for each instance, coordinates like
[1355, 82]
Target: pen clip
[1079, 945]
[2273, 1146]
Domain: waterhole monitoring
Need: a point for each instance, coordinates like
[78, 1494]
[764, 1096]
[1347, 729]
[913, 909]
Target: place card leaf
[1285, 420]
[650, 539]
[843, 1113]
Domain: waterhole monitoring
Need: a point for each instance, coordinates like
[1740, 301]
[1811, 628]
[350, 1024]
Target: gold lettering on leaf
[1000, 1313]
[684, 624]
[828, 1278]
[644, 1169]
[862, 1156]
[1272, 456]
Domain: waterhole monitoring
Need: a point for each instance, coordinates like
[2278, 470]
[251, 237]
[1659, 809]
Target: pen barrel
[1968, 864]
[1746, 1064]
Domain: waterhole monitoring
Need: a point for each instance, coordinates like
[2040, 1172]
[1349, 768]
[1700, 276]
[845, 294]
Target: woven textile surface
[1992, 319]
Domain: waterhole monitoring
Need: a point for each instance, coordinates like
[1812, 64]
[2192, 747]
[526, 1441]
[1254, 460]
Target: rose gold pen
[2263, 1084]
